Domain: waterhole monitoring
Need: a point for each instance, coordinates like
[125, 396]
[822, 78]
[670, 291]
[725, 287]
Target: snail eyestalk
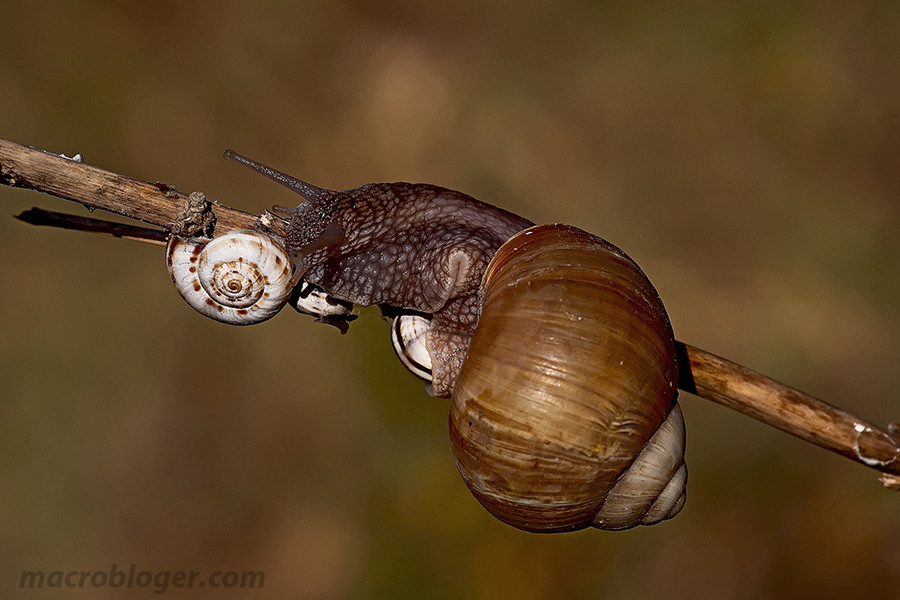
[307, 190]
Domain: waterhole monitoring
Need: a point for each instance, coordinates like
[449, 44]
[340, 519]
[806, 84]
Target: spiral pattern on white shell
[241, 277]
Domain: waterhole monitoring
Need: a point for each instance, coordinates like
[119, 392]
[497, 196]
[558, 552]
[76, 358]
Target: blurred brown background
[747, 155]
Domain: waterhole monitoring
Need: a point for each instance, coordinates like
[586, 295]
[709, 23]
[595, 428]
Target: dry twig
[154, 203]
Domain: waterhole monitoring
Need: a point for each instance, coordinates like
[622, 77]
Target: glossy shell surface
[570, 373]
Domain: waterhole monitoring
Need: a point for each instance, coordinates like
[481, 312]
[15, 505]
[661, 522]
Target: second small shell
[408, 335]
[242, 277]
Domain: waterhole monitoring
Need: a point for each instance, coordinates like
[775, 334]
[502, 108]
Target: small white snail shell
[309, 299]
[241, 277]
[409, 340]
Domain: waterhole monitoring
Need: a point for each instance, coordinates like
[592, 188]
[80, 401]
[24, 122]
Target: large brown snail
[556, 349]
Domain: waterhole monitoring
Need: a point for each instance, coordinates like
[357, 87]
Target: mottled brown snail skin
[557, 349]
[571, 371]
[416, 247]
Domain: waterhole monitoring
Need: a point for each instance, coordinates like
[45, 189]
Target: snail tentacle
[307, 190]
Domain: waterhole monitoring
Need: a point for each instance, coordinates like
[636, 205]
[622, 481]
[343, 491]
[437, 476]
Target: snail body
[554, 346]
[416, 247]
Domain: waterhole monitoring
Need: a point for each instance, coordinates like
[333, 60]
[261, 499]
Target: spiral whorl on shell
[564, 414]
[241, 277]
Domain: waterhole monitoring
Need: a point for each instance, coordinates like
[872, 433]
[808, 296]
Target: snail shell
[241, 277]
[564, 413]
[409, 335]
[309, 299]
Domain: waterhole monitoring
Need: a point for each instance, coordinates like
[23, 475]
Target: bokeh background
[746, 154]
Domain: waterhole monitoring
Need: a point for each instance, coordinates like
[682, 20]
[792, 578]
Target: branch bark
[702, 373]
[790, 410]
[154, 203]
